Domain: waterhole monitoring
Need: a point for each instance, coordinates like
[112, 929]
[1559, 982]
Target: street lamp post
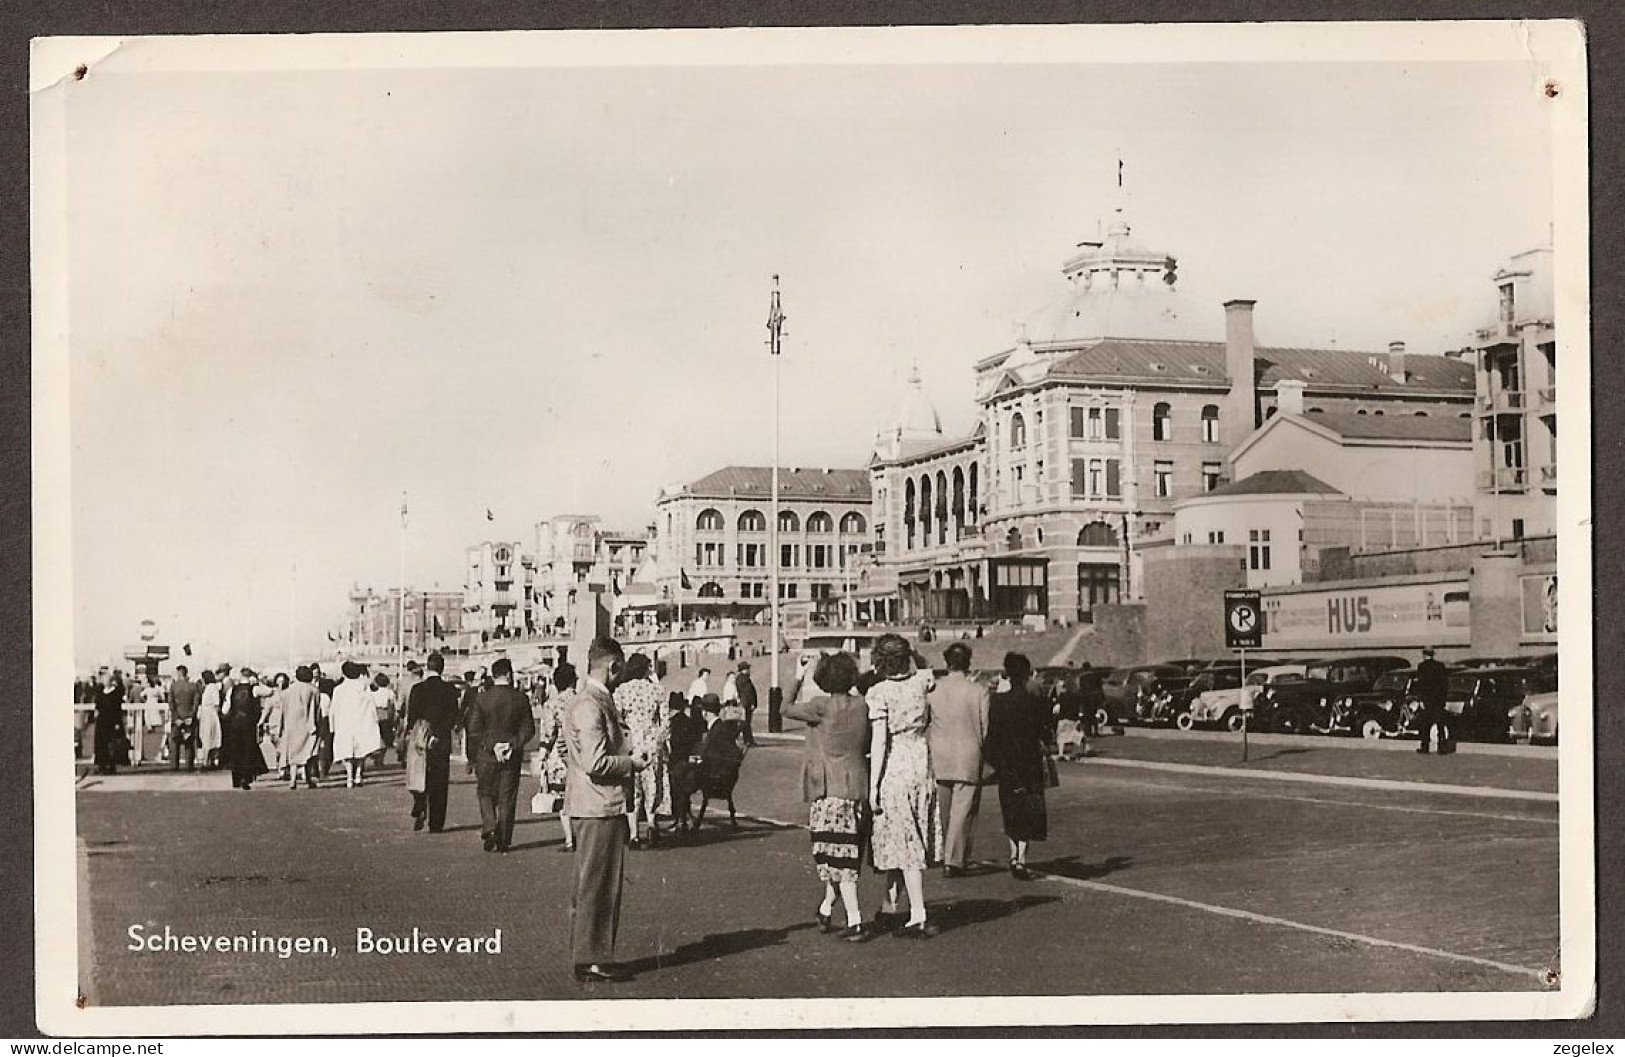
[775, 339]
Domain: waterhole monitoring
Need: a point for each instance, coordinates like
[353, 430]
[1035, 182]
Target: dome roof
[914, 420]
[915, 415]
[1132, 310]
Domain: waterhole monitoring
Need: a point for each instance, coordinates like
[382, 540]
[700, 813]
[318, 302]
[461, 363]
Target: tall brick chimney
[1241, 404]
[1396, 361]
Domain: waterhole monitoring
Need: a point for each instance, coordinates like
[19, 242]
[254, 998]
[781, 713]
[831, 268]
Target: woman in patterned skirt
[641, 703]
[907, 834]
[834, 781]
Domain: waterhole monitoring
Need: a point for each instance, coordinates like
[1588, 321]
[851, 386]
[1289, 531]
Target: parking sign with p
[1243, 620]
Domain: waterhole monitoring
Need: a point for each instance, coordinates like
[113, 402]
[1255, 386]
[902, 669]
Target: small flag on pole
[682, 575]
[488, 515]
[403, 510]
[187, 649]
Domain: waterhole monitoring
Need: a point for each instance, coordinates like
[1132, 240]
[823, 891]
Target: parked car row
[1491, 699]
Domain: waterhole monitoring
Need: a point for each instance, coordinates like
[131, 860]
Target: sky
[295, 295]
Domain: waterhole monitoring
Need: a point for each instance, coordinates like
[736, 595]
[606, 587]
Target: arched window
[1421, 414]
[1162, 422]
[1097, 534]
[788, 522]
[1361, 411]
[752, 521]
[908, 509]
[582, 530]
[710, 589]
[941, 510]
[1012, 539]
[709, 521]
[1018, 431]
[958, 505]
[1210, 423]
[818, 521]
[974, 511]
[853, 524]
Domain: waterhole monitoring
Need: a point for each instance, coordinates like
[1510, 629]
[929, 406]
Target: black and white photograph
[843, 528]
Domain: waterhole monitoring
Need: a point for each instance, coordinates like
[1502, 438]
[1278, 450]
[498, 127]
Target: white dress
[355, 724]
[208, 720]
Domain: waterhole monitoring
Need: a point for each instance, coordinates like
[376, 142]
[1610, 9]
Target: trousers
[431, 803]
[497, 789]
[960, 801]
[595, 907]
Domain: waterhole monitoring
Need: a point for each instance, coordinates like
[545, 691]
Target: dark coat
[240, 740]
[1432, 683]
[721, 755]
[1018, 732]
[435, 701]
[109, 723]
[500, 714]
[747, 692]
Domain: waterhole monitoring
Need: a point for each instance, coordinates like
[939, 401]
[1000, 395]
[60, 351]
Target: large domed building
[1118, 399]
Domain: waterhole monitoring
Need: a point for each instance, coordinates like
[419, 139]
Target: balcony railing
[1499, 332]
[1502, 400]
[1503, 478]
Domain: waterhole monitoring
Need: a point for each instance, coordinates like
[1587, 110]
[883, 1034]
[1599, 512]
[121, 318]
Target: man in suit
[959, 708]
[184, 698]
[1432, 687]
[595, 795]
[434, 701]
[499, 727]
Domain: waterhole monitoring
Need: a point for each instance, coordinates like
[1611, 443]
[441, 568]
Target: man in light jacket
[598, 766]
[958, 727]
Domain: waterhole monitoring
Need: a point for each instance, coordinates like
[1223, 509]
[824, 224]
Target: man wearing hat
[747, 700]
[1432, 687]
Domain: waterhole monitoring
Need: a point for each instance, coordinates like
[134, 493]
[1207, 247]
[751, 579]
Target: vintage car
[1535, 719]
[1168, 701]
[1122, 685]
[1224, 708]
[1479, 700]
[1308, 705]
[1387, 710]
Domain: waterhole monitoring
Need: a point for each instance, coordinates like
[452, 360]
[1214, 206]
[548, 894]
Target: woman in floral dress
[641, 702]
[550, 729]
[907, 834]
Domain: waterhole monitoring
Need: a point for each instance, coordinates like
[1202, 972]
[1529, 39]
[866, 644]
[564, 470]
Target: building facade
[573, 550]
[1115, 404]
[498, 586]
[1516, 439]
[431, 619]
[714, 546]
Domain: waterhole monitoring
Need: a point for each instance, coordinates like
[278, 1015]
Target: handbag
[547, 802]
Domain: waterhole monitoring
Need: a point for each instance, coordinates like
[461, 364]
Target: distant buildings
[572, 551]
[498, 591]
[713, 546]
[432, 618]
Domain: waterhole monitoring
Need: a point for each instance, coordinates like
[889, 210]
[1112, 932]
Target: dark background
[1605, 30]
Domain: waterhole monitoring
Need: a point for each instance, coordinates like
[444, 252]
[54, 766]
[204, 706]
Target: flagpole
[400, 600]
[775, 331]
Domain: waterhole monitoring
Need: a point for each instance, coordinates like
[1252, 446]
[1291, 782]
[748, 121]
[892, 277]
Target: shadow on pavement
[959, 913]
[1281, 752]
[1069, 866]
[723, 834]
[716, 945]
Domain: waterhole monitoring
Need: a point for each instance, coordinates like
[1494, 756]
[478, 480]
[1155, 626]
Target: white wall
[1430, 475]
[1237, 517]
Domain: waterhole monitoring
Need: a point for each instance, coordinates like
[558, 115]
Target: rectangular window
[1215, 537]
[1077, 430]
[1258, 549]
[787, 590]
[1163, 477]
[1186, 538]
[820, 591]
[789, 555]
[1078, 471]
[1039, 474]
[1094, 477]
[1210, 476]
[1114, 425]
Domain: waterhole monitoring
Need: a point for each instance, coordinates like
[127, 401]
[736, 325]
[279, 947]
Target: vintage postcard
[605, 531]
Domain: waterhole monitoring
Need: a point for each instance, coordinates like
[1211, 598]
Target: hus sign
[1387, 615]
